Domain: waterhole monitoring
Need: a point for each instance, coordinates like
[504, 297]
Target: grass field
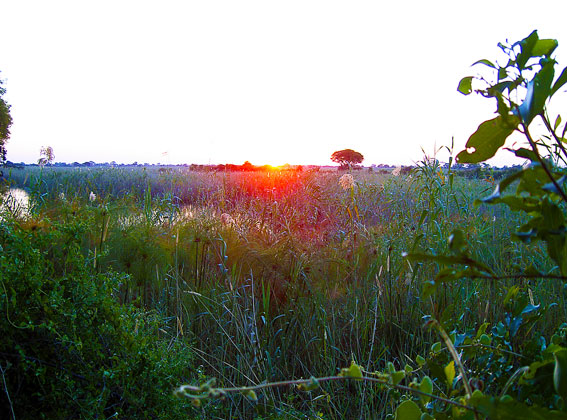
[267, 276]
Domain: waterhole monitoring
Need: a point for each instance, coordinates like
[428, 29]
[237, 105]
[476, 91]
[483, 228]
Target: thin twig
[543, 165]
[197, 390]
[7, 393]
[520, 276]
[456, 358]
[370, 353]
[557, 140]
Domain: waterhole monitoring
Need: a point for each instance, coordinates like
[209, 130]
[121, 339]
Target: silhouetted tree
[247, 166]
[347, 158]
[5, 123]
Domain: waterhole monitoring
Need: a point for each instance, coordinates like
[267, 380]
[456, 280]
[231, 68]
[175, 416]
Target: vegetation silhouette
[347, 158]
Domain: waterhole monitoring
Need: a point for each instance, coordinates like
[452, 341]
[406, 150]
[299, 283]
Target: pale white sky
[265, 81]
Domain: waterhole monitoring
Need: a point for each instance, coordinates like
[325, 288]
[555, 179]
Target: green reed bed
[272, 275]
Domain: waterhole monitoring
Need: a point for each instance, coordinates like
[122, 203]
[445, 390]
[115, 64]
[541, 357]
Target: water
[16, 202]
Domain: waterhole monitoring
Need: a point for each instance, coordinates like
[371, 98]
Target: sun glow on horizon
[225, 82]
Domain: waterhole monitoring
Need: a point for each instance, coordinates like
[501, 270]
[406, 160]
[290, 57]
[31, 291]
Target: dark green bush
[68, 349]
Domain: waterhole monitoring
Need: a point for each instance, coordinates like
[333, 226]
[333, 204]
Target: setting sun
[283, 210]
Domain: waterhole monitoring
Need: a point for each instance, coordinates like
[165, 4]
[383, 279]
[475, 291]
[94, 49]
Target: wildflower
[226, 219]
[346, 181]
[62, 196]
[92, 197]
[397, 171]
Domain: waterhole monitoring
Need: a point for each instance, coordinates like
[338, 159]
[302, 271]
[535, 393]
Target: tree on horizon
[347, 158]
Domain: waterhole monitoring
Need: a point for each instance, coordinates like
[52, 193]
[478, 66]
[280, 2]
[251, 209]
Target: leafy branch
[354, 372]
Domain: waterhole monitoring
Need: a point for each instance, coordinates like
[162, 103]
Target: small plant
[46, 156]
[68, 348]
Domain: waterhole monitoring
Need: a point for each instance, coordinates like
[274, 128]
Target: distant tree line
[245, 167]
[469, 171]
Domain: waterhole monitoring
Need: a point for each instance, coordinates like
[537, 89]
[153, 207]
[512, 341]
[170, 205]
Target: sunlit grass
[284, 274]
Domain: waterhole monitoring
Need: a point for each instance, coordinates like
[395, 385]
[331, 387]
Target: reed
[272, 275]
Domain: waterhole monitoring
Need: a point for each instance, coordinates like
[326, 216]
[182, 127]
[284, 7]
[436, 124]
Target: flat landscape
[145, 279]
[326, 288]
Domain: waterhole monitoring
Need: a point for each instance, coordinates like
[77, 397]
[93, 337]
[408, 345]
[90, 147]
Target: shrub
[69, 350]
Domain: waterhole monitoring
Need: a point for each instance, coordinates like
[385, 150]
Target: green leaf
[408, 410]
[450, 372]
[509, 180]
[482, 329]
[449, 259]
[532, 179]
[420, 360]
[544, 47]
[532, 369]
[559, 82]
[496, 195]
[429, 287]
[557, 120]
[309, 386]
[526, 236]
[487, 139]
[499, 88]
[465, 85]
[497, 409]
[426, 386]
[436, 370]
[390, 366]
[550, 186]
[353, 371]
[457, 241]
[485, 62]
[485, 340]
[492, 198]
[531, 271]
[398, 376]
[539, 89]
[250, 394]
[511, 294]
[436, 347]
[527, 44]
[526, 154]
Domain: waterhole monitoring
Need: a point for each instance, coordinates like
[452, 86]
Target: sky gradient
[271, 82]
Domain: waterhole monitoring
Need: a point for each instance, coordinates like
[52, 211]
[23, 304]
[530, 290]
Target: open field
[262, 276]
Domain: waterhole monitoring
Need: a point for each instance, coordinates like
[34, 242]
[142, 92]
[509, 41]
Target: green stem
[557, 140]
[197, 391]
[542, 163]
[455, 357]
[521, 276]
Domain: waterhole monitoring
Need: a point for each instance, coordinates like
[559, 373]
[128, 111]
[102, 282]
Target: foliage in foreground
[277, 275]
[68, 349]
[503, 378]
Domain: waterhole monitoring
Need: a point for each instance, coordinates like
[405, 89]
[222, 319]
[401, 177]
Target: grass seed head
[346, 181]
[226, 219]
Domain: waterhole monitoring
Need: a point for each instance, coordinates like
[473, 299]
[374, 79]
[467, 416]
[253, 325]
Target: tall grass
[304, 278]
